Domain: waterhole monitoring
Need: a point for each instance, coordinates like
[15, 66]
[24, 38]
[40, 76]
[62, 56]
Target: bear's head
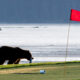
[28, 56]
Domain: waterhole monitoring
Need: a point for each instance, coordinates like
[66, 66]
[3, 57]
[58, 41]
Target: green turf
[72, 72]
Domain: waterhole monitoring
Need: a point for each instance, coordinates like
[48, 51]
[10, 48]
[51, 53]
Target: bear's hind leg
[2, 61]
[15, 61]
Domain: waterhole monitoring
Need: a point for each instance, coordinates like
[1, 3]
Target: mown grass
[54, 71]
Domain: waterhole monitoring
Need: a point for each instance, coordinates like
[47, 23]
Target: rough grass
[36, 64]
[21, 68]
[54, 71]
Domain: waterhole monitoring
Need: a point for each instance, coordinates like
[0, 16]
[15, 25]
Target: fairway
[53, 72]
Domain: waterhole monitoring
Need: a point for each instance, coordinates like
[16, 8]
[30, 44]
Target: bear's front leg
[17, 61]
[11, 61]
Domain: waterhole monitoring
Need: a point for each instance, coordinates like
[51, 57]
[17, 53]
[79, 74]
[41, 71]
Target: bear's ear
[17, 48]
[28, 50]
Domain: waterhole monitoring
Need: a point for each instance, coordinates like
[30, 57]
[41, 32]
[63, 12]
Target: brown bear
[14, 54]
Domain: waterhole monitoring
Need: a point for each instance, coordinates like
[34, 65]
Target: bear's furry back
[13, 52]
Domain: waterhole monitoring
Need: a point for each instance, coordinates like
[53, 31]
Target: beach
[46, 42]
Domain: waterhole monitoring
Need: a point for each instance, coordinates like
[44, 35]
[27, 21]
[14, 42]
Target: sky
[37, 11]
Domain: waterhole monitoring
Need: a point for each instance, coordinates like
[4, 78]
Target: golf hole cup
[42, 71]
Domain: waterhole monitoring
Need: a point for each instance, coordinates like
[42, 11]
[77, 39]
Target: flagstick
[67, 45]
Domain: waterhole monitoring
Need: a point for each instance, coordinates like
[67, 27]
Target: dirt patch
[25, 70]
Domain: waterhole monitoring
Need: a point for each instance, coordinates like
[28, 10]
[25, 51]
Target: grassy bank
[54, 71]
[36, 64]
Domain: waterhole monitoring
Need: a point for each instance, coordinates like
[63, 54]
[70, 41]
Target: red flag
[75, 15]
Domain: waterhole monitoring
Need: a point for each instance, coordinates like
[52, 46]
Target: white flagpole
[67, 46]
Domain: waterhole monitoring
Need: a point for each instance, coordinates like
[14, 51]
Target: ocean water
[53, 53]
[47, 43]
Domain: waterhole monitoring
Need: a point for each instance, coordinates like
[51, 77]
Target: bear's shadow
[26, 73]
